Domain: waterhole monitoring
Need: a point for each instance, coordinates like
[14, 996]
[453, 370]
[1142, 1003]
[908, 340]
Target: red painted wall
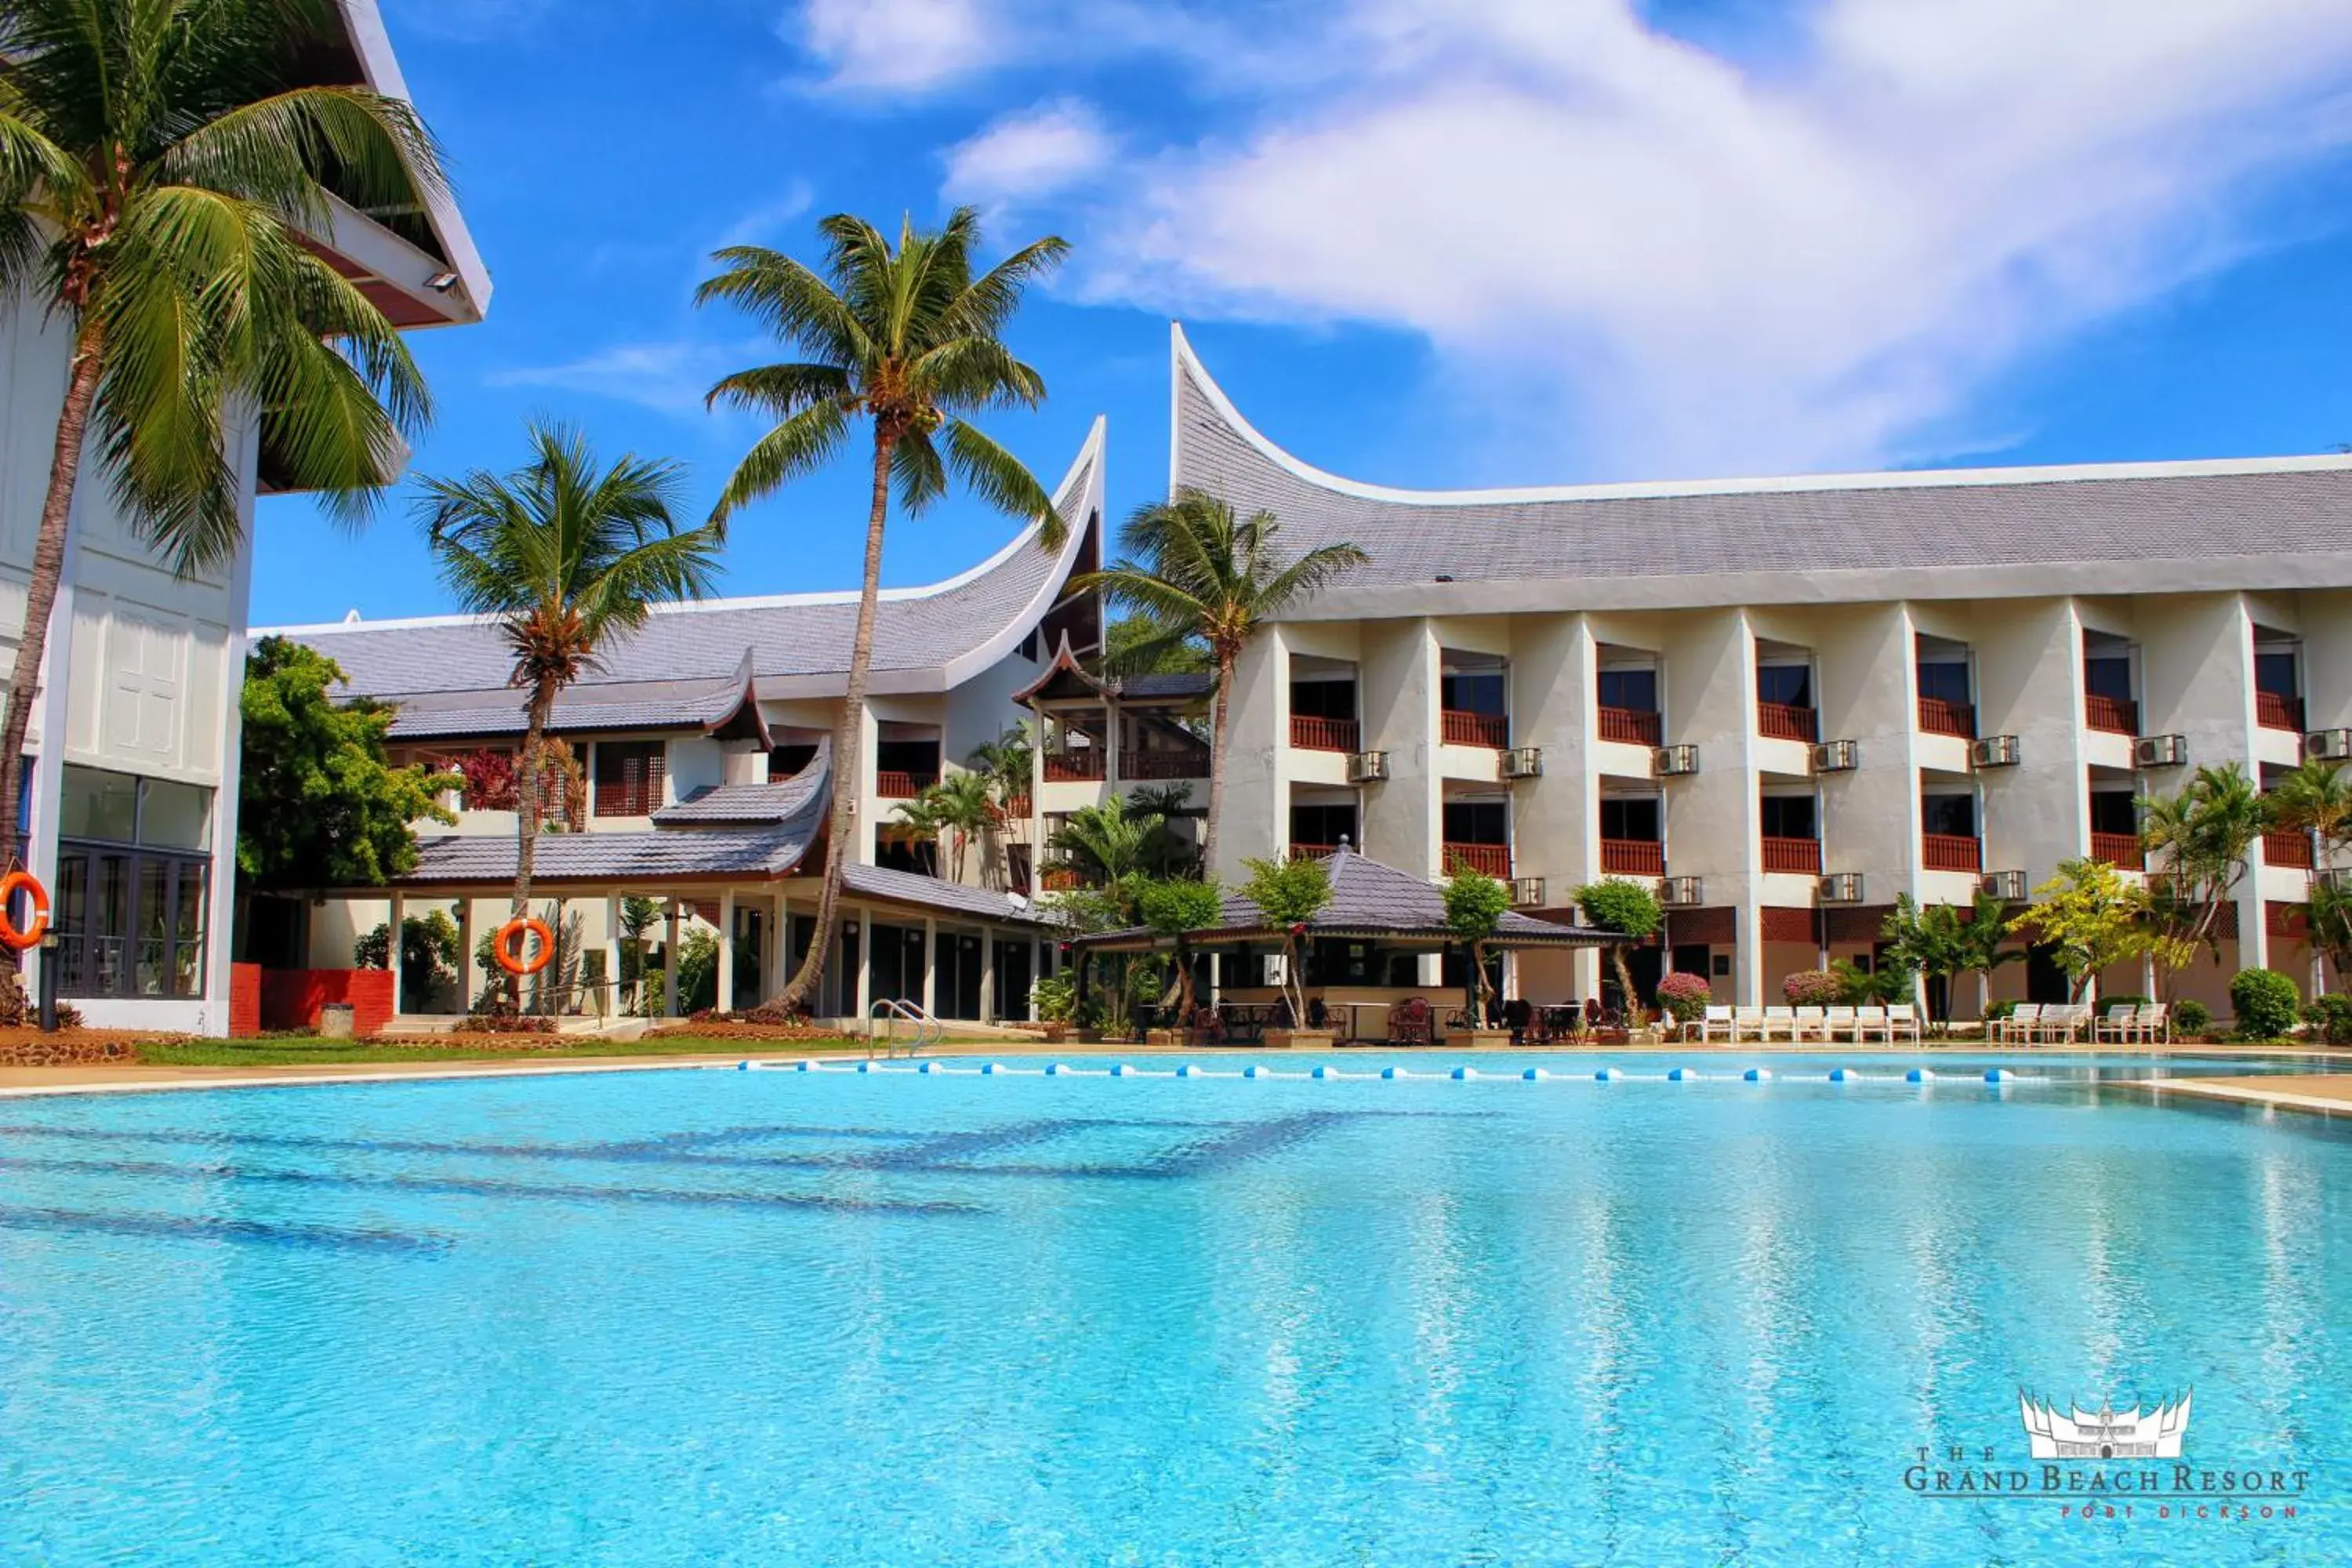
[243, 1000]
[290, 998]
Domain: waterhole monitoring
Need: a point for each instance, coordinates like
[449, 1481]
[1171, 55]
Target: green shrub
[1998, 1010]
[2192, 1017]
[1811, 988]
[2267, 1003]
[2125, 1000]
[2330, 1018]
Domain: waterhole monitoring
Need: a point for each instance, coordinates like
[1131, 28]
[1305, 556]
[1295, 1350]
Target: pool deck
[2327, 1090]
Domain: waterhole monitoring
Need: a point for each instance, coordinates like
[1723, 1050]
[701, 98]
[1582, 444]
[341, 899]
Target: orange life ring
[508, 950]
[38, 896]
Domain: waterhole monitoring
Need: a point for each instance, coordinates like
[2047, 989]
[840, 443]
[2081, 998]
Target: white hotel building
[1789, 702]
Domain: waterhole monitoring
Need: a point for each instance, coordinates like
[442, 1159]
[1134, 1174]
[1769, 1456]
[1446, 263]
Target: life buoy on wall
[35, 895]
[508, 945]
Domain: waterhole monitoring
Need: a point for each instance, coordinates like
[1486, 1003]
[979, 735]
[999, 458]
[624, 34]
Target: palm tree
[567, 560]
[1199, 574]
[2203, 835]
[1106, 844]
[908, 339]
[158, 173]
[921, 821]
[2316, 799]
[967, 808]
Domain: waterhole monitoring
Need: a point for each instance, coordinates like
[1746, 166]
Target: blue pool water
[708, 1318]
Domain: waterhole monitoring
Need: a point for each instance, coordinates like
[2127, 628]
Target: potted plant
[1289, 894]
[1054, 998]
[1475, 906]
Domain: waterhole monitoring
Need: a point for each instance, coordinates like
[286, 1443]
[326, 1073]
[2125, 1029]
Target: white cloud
[670, 377]
[762, 223]
[1030, 154]
[897, 45]
[1689, 266]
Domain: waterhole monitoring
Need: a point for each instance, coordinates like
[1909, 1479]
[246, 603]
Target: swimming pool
[913, 1319]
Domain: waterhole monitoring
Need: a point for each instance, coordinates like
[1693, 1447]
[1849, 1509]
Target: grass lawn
[274, 1053]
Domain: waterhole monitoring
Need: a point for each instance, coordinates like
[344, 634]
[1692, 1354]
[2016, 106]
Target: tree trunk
[41, 596]
[527, 814]
[1218, 750]
[1634, 1014]
[846, 735]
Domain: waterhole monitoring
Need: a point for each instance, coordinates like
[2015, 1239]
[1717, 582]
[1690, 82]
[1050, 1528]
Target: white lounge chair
[1839, 1021]
[2019, 1026]
[2120, 1024]
[1903, 1023]
[1812, 1024]
[2062, 1023]
[1746, 1024]
[1869, 1021]
[2154, 1025]
[1781, 1022]
[1715, 1024]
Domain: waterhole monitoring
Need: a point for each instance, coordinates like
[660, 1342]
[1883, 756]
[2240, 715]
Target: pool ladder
[882, 1028]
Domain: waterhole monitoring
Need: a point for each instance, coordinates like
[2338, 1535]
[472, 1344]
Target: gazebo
[1370, 949]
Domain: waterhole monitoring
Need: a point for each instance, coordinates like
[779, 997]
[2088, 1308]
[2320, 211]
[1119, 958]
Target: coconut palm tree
[2202, 836]
[159, 169]
[967, 806]
[2316, 799]
[568, 559]
[1199, 574]
[1106, 844]
[908, 339]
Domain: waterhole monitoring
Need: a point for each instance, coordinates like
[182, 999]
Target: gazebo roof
[1368, 899]
[1065, 679]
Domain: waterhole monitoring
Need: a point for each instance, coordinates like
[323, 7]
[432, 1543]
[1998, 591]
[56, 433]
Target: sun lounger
[2154, 1025]
[1812, 1024]
[2120, 1024]
[1780, 1023]
[1903, 1023]
[1746, 1024]
[1870, 1021]
[1838, 1024]
[1715, 1024]
[2019, 1026]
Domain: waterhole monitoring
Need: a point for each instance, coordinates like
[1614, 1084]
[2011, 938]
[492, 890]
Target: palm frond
[801, 445]
[1002, 479]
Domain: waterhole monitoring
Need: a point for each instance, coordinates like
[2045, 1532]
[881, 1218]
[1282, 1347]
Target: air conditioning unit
[1526, 892]
[1367, 767]
[1675, 762]
[1681, 892]
[2009, 887]
[1837, 756]
[1994, 752]
[1523, 763]
[2328, 745]
[2160, 752]
[1842, 887]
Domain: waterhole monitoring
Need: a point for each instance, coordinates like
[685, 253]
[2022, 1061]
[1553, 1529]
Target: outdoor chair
[1715, 1024]
[1409, 1023]
[2120, 1024]
[1746, 1024]
[1903, 1023]
[2019, 1024]
[1812, 1024]
[2154, 1025]
[2061, 1021]
[1780, 1021]
[1838, 1022]
[1869, 1021]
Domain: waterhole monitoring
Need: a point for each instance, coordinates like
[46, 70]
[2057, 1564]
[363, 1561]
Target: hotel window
[1791, 685]
[789, 759]
[629, 776]
[1635, 691]
[1948, 816]
[1630, 818]
[1789, 816]
[134, 864]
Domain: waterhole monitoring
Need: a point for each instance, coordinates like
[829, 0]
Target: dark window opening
[2274, 673]
[1791, 685]
[2107, 674]
[1323, 699]
[1633, 818]
[788, 760]
[1791, 817]
[1322, 824]
[1473, 691]
[1949, 816]
[1632, 688]
[1945, 683]
[629, 775]
[129, 922]
[1478, 822]
[2113, 811]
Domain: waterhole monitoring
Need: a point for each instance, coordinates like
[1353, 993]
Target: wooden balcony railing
[1309, 733]
[1786, 721]
[631, 799]
[1939, 716]
[1312, 851]
[1495, 859]
[1630, 725]
[1061, 879]
[2111, 715]
[1951, 852]
[1461, 729]
[2289, 849]
[2121, 850]
[2277, 711]
[1799, 855]
[1175, 763]
[1016, 809]
[893, 783]
[1633, 857]
[1078, 766]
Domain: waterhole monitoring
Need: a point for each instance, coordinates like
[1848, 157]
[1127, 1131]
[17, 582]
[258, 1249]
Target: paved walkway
[2328, 1094]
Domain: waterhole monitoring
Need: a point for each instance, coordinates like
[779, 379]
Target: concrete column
[465, 953]
[988, 972]
[610, 1003]
[669, 964]
[727, 949]
[864, 961]
[554, 974]
[931, 965]
[392, 947]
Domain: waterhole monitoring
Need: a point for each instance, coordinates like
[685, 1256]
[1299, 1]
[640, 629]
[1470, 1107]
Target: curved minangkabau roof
[926, 639]
[2262, 522]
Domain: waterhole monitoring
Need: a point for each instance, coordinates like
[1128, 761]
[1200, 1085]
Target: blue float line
[1919, 1076]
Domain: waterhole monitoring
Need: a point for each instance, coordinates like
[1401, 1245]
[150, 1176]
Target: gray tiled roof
[1184, 684]
[649, 856]
[1950, 523]
[932, 892]
[800, 641]
[614, 705]
[751, 803]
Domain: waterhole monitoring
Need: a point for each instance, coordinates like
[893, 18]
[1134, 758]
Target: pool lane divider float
[1919, 1077]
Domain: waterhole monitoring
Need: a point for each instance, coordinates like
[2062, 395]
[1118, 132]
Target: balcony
[2292, 850]
[1309, 733]
[1786, 721]
[2111, 715]
[1062, 880]
[1313, 851]
[893, 783]
[1630, 725]
[2277, 711]
[1951, 852]
[1798, 855]
[1463, 729]
[1938, 717]
[1084, 765]
[1015, 809]
[1170, 763]
[1633, 857]
[2121, 850]
[1494, 859]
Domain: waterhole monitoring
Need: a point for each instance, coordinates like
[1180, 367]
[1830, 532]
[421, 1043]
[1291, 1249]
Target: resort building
[131, 803]
[705, 780]
[1786, 704]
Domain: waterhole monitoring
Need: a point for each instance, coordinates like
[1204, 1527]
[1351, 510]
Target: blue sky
[1422, 242]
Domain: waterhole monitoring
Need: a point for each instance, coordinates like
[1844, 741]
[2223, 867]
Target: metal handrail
[928, 1030]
